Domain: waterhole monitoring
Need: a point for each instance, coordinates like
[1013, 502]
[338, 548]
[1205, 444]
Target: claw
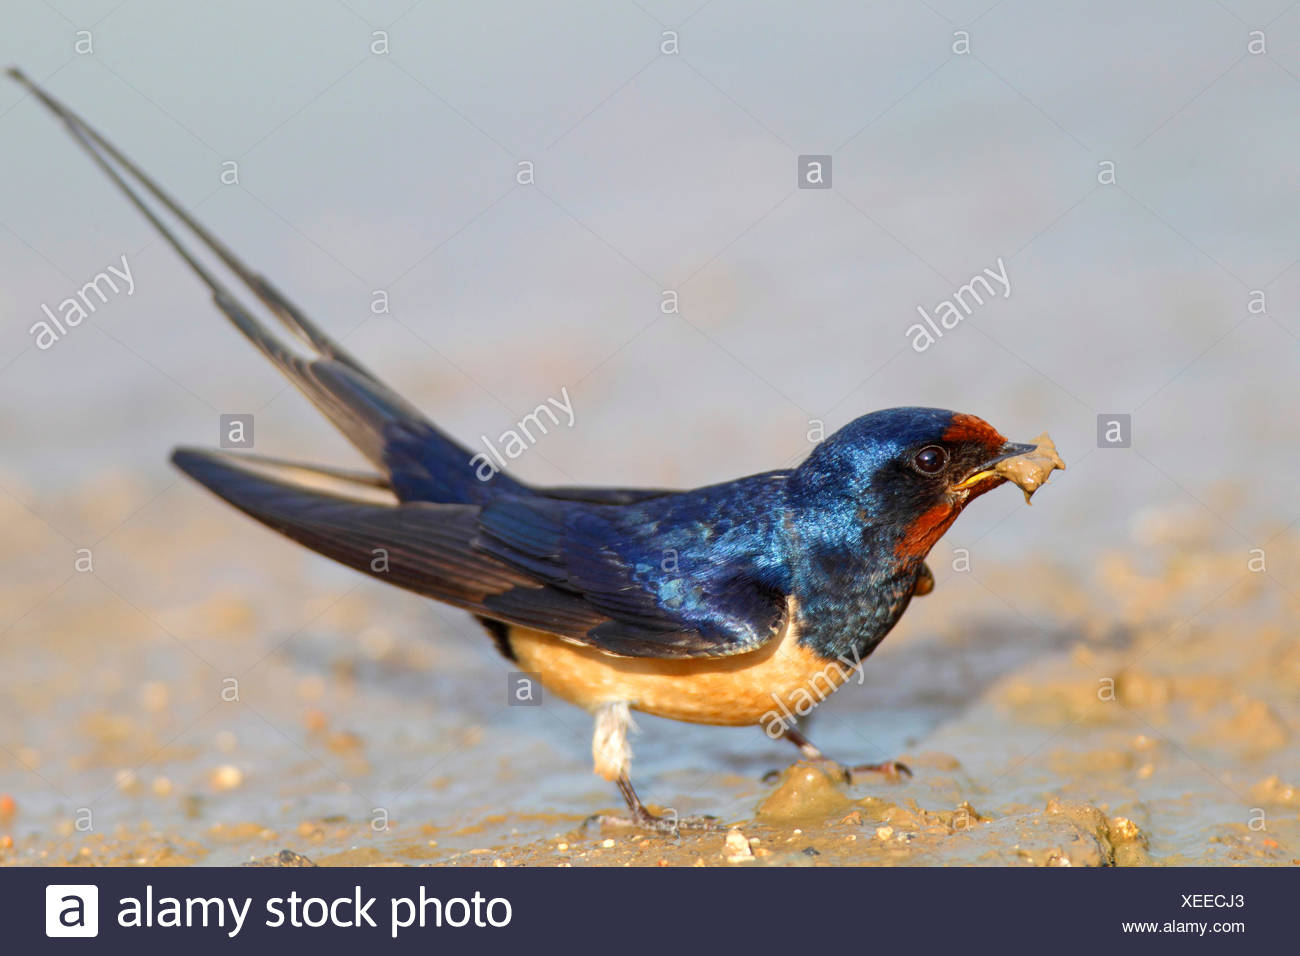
[667, 825]
[892, 769]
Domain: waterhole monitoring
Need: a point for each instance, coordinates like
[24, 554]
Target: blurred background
[1131, 165]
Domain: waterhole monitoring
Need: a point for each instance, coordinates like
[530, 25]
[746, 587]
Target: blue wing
[594, 574]
[697, 572]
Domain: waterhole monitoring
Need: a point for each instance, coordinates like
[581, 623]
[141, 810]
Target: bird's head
[901, 476]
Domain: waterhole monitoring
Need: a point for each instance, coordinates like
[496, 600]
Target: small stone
[227, 777]
[1124, 829]
[283, 858]
[736, 847]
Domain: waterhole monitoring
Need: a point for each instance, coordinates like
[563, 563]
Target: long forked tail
[418, 459]
[94, 142]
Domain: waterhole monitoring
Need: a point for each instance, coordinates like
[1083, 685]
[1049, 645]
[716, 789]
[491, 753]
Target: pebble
[126, 781]
[736, 847]
[227, 777]
[1124, 829]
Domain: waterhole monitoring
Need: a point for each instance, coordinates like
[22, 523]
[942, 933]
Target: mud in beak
[1026, 465]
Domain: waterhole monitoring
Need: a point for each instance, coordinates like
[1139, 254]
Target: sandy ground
[209, 694]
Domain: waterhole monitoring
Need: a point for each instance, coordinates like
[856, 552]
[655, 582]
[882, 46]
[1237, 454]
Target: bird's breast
[781, 678]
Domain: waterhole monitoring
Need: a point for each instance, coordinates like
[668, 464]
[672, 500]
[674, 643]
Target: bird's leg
[892, 769]
[613, 756]
[803, 743]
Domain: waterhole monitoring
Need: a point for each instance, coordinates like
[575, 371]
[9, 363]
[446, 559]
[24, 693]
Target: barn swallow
[721, 605]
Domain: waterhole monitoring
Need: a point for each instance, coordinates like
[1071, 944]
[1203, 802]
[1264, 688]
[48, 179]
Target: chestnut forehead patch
[966, 428]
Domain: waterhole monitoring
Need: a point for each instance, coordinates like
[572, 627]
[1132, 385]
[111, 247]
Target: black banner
[650, 910]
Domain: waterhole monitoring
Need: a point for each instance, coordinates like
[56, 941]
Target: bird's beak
[988, 469]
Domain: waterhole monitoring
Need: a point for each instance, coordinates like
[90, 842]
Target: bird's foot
[892, 769]
[667, 824]
[670, 823]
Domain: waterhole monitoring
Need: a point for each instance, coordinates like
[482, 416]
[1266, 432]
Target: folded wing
[583, 591]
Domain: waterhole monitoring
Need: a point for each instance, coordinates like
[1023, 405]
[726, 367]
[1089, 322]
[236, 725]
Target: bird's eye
[930, 460]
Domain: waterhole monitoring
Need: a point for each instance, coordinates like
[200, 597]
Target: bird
[733, 604]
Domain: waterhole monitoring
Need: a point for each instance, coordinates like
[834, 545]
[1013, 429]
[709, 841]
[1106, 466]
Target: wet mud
[208, 695]
[1031, 470]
